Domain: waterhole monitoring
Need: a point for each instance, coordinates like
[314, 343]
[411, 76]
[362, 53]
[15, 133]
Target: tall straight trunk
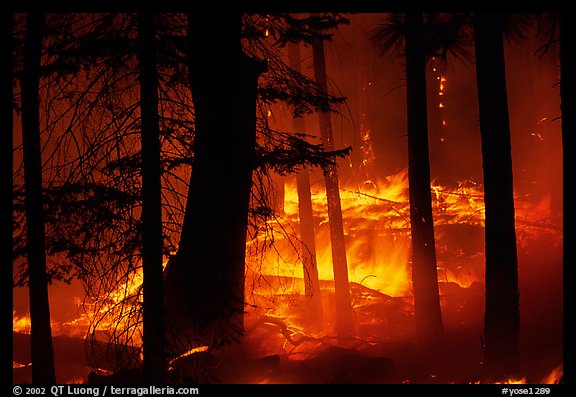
[502, 311]
[306, 214]
[427, 312]
[344, 314]
[6, 170]
[40, 332]
[568, 109]
[206, 276]
[153, 305]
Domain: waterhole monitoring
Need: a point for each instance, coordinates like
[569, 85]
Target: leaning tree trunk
[205, 279]
[306, 214]
[6, 170]
[502, 311]
[344, 314]
[43, 371]
[568, 109]
[427, 312]
[153, 306]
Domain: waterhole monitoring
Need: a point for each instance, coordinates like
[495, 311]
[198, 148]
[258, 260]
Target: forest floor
[383, 349]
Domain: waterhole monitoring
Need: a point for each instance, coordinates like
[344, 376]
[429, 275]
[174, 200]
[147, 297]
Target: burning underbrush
[289, 341]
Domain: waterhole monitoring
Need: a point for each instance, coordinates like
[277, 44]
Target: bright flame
[376, 218]
[553, 377]
[377, 246]
[20, 324]
[513, 381]
[195, 350]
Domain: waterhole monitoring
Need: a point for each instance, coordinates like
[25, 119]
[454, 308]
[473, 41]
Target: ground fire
[378, 247]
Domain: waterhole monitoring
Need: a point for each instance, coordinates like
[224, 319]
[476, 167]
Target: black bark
[43, 371]
[502, 311]
[427, 311]
[6, 170]
[153, 305]
[206, 276]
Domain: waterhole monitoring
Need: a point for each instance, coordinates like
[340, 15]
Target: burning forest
[287, 198]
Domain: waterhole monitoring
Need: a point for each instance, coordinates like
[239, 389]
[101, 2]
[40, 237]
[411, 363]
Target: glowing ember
[199, 349]
[513, 381]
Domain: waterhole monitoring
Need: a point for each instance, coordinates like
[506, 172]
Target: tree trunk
[427, 310]
[153, 306]
[306, 214]
[206, 276]
[344, 314]
[568, 109]
[502, 312]
[6, 170]
[43, 371]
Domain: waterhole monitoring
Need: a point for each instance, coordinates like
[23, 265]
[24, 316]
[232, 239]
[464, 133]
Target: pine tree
[502, 312]
[43, 371]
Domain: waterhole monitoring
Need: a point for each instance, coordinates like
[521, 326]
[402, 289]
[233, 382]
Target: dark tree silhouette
[41, 334]
[154, 365]
[6, 170]
[502, 311]
[94, 198]
[205, 279]
[306, 214]
[427, 310]
[418, 45]
[344, 312]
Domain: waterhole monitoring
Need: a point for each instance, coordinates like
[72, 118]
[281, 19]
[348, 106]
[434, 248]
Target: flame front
[377, 230]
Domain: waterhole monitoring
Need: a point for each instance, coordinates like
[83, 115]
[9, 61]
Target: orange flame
[553, 377]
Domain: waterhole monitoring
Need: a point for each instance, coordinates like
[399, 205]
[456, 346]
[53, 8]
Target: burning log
[281, 324]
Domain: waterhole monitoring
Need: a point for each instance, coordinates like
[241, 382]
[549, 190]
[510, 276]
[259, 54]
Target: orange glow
[379, 260]
[199, 349]
[377, 228]
[553, 377]
[513, 381]
[20, 324]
